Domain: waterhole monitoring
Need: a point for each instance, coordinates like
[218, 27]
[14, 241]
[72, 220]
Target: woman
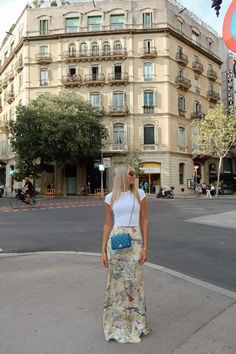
[125, 313]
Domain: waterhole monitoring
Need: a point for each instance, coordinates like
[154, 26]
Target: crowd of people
[207, 191]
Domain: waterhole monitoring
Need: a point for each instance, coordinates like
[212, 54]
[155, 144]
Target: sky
[11, 9]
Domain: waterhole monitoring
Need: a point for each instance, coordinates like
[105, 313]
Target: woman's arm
[144, 228]
[106, 232]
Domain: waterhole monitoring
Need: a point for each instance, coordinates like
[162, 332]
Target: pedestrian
[208, 194]
[204, 188]
[145, 186]
[124, 318]
[212, 189]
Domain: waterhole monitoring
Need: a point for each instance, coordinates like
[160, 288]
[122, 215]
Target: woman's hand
[104, 259]
[143, 255]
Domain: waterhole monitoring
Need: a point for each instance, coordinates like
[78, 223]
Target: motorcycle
[166, 193]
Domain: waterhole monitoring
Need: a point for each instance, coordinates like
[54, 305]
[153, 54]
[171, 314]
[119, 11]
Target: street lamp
[216, 4]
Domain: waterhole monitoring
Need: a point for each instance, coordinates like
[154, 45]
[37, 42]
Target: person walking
[124, 318]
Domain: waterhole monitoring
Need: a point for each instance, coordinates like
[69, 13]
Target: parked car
[226, 189]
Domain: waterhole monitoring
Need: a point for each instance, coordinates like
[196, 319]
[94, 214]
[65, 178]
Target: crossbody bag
[122, 240]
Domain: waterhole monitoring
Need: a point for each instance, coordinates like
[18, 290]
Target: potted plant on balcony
[53, 3]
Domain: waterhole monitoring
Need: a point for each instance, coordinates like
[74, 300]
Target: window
[117, 47]
[148, 101]
[181, 173]
[181, 137]
[43, 52]
[72, 71]
[210, 46]
[118, 101]
[94, 23]
[43, 27]
[148, 134]
[197, 107]
[106, 48]
[12, 47]
[83, 49]
[195, 37]
[148, 75]
[180, 72]
[210, 67]
[94, 49]
[196, 59]
[147, 43]
[72, 50]
[95, 72]
[211, 88]
[180, 50]
[72, 24]
[20, 82]
[196, 84]
[180, 26]
[181, 103]
[44, 77]
[147, 20]
[118, 133]
[117, 71]
[117, 21]
[95, 99]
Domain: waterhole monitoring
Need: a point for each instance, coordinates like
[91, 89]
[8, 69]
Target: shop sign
[151, 170]
[230, 89]
[106, 162]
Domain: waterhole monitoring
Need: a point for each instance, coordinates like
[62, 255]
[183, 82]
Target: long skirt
[124, 318]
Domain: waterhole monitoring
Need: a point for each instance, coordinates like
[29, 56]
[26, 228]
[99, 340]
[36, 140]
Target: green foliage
[62, 128]
[216, 133]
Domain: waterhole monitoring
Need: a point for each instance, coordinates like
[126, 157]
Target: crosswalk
[50, 206]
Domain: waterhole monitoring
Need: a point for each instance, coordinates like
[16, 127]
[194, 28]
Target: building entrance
[150, 179]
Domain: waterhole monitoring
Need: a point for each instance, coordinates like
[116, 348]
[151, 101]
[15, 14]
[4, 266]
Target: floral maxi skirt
[124, 318]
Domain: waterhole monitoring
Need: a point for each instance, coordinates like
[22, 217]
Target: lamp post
[216, 4]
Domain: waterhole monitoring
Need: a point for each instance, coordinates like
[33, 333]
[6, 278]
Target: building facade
[151, 70]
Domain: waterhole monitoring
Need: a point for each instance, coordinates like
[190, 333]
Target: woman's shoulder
[108, 198]
[141, 193]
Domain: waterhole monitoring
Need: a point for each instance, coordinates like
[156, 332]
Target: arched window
[95, 49]
[106, 48]
[181, 137]
[181, 173]
[117, 47]
[72, 50]
[118, 133]
[83, 49]
[148, 134]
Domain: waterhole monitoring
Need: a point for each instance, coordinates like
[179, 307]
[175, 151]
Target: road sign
[107, 162]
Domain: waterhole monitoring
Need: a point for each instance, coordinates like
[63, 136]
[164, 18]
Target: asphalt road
[202, 248]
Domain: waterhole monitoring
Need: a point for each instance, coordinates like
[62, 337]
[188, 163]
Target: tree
[61, 128]
[133, 159]
[216, 135]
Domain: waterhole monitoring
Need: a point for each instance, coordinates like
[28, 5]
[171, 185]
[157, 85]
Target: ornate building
[152, 70]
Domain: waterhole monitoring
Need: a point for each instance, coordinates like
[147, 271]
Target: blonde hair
[121, 183]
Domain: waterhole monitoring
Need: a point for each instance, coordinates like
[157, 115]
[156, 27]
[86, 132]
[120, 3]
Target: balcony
[197, 115]
[118, 79]
[94, 79]
[71, 80]
[43, 58]
[19, 65]
[10, 97]
[181, 58]
[183, 83]
[213, 96]
[70, 57]
[112, 147]
[197, 67]
[148, 109]
[118, 110]
[212, 75]
[149, 147]
[86, 55]
[10, 76]
[182, 112]
[148, 53]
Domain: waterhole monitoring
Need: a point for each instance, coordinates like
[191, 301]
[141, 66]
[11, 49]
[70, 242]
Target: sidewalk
[52, 303]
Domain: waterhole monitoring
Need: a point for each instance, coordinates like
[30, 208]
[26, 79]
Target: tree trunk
[218, 176]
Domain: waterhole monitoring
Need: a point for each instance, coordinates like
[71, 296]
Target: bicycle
[20, 200]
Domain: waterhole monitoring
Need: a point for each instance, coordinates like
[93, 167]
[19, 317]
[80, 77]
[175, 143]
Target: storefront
[150, 179]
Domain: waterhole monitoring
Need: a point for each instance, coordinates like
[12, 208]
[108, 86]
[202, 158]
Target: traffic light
[216, 4]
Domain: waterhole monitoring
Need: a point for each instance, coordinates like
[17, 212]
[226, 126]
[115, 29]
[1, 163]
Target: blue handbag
[122, 240]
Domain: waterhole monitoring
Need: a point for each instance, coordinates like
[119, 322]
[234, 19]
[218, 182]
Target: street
[185, 235]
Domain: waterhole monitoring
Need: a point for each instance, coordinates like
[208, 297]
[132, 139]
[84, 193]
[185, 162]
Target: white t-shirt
[122, 208]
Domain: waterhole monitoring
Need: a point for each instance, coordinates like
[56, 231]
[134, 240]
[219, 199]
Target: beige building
[152, 69]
